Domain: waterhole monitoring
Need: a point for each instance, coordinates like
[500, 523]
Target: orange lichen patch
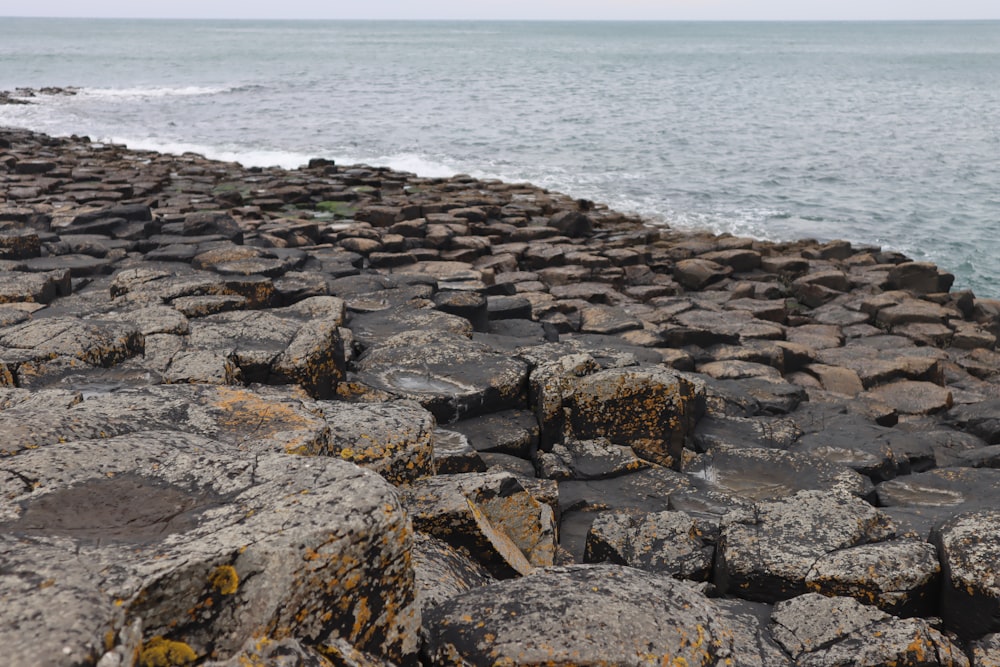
[245, 413]
[224, 579]
[162, 652]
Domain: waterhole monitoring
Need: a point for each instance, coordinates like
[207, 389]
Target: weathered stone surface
[442, 572]
[667, 542]
[94, 342]
[696, 274]
[33, 287]
[913, 398]
[252, 421]
[901, 577]
[969, 545]
[985, 652]
[488, 516]
[588, 459]
[585, 614]
[507, 431]
[862, 636]
[121, 539]
[446, 373]
[738, 432]
[767, 553]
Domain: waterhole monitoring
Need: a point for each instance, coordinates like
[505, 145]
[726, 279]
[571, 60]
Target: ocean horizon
[878, 132]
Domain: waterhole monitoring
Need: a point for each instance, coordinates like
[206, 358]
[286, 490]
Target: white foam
[244, 156]
[139, 92]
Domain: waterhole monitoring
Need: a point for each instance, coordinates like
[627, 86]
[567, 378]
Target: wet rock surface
[344, 415]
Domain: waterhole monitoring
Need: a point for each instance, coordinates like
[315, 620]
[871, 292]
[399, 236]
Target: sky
[736, 10]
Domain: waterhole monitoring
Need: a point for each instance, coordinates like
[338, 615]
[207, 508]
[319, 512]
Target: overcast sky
[517, 9]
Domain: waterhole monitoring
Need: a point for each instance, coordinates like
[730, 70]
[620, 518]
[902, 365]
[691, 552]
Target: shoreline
[507, 394]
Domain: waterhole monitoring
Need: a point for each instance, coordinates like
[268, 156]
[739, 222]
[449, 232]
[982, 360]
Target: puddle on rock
[125, 508]
[423, 383]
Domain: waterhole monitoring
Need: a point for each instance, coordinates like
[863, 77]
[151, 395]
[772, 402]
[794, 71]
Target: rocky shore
[350, 416]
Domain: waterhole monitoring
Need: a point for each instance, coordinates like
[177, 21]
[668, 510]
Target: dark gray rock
[489, 517]
[861, 635]
[161, 544]
[901, 577]
[667, 542]
[448, 374]
[968, 545]
[442, 572]
[767, 553]
[587, 614]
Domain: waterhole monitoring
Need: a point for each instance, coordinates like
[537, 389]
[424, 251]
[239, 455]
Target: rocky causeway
[342, 415]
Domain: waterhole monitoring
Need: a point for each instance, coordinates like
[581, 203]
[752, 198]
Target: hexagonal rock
[863, 636]
[696, 274]
[394, 438]
[43, 287]
[488, 516]
[919, 277]
[249, 421]
[159, 544]
[448, 374]
[667, 542]
[762, 474]
[588, 459]
[648, 408]
[969, 545]
[157, 285]
[901, 577]
[549, 382]
[300, 344]
[913, 398]
[95, 342]
[766, 553]
[581, 615]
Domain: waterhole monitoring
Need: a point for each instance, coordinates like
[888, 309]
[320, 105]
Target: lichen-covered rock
[985, 652]
[95, 342]
[767, 553]
[650, 409]
[170, 540]
[394, 438]
[667, 542]
[588, 459]
[488, 516]
[819, 631]
[902, 577]
[44, 287]
[969, 547]
[584, 614]
[249, 421]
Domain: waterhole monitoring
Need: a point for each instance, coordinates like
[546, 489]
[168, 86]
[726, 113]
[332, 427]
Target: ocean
[883, 133]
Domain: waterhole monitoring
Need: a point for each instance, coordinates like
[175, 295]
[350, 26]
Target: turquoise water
[885, 133]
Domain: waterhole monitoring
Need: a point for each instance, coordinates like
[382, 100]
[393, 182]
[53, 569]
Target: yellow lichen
[224, 579]
[162, 652]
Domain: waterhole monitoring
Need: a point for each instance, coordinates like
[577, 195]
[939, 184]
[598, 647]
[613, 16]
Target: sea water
[883, 133]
